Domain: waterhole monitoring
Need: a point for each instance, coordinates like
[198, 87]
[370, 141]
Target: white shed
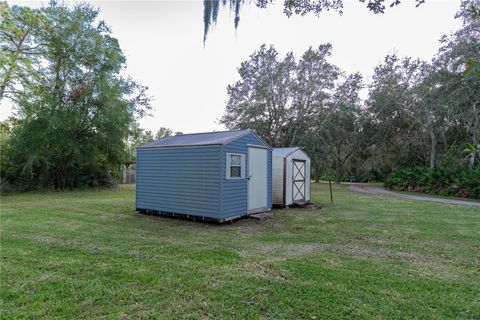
[290, 176]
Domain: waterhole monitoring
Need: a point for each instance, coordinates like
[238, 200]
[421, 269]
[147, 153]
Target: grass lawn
[88, 254]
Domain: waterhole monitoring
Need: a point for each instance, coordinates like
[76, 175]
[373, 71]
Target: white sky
[163, 42]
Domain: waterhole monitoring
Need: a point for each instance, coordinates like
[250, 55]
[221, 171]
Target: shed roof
[284, 152]
[198, 139]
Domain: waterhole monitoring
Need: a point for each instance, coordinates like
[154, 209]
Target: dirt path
[379, 191]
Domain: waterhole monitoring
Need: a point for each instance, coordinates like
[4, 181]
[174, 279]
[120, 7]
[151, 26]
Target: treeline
[418, 114]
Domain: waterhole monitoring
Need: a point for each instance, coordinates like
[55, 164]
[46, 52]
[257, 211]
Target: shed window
[235, 166]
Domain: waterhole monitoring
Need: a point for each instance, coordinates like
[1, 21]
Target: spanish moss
[210, 13]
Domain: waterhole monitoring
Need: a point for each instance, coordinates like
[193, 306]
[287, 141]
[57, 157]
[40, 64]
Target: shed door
[299, 185]
[257, 179]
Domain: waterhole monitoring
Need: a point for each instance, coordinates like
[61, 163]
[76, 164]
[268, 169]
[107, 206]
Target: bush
[352, 176]
[442, 181]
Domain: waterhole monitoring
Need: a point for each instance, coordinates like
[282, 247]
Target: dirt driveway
[379, 191]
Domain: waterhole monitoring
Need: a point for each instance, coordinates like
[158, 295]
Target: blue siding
[235, 192]
[180, 180]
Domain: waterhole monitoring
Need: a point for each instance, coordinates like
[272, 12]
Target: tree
[290, 103]
[392, 103]
[163, 132]
[471, 151]
[314, 82]
[429, 109]
[261, 98]
[136, 137]
[470, 13]
[341, 123]
[72, 122]
[462, 89]
[19, 46]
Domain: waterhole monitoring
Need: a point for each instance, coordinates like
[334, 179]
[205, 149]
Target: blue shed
[215, 176]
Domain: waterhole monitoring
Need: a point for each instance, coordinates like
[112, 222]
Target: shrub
[442, 181]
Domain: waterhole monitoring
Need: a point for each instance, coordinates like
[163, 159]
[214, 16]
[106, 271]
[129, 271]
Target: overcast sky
[163, 42]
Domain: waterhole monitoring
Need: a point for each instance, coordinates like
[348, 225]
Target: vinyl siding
[179, 180]
[235, 192]
[277, 180]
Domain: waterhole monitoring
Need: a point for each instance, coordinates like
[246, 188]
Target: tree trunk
[433, 148]
[317, 171]
[2, 90]
[338, 168]
[475, 125]
[444, 140]
[471, 161]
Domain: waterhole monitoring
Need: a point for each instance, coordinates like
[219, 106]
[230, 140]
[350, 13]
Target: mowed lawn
[88, 254]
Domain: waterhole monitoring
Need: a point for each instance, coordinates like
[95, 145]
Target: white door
[257, 179]
[298, 179]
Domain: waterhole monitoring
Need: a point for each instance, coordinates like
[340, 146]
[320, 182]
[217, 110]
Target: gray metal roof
[284, 152]
[197, 139]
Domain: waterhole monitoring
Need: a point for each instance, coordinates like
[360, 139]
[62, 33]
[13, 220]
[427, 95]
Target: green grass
[87, 254]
